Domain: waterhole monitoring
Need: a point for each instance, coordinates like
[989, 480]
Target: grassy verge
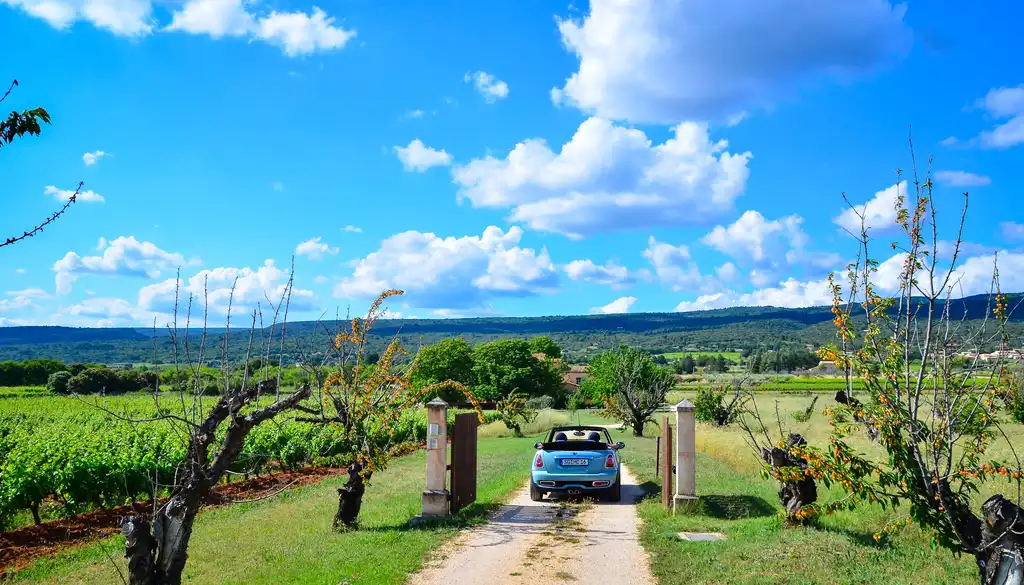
[759, 550]
[288, 538]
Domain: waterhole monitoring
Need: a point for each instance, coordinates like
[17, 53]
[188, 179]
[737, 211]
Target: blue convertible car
[577, 460]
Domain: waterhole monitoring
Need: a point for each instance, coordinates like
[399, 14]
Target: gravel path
[544, 542]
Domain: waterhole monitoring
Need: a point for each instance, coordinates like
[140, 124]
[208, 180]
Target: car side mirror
[620, 445]
[538, 445]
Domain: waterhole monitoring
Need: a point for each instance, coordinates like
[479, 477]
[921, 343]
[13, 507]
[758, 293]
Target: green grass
[546, 419]
[675, 355]
[288, 538]
[838, 550]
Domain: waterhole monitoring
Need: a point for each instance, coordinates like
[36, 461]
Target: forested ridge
[579, 335]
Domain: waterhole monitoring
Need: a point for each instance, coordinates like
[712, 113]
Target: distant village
[1001, 354]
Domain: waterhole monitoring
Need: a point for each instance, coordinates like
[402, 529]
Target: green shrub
[1016, 405]
[540, 402]
[58, 382]
[710, 407]
[805, 415]
[105, 380]
[28, 372]
[578, 400]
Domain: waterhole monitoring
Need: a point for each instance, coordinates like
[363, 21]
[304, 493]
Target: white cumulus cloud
[17, 300]
[767, 246]
[352, 228]
[758, 240]
[216, 18]
[1004, 103]
[619, 305]
[452, 273]
[295, 33]
[790, 293]
[251, 287]
[124, 256]
[90, 158]
[879, 212]
[661, 61]
[298, 33]
[611, 273]
[675, 267]
[131, 18]
[961, 179]
[609, 177]
[490, 87]
[315, 249]
[64, 194]
[726, 272]
[1012, 230]
[420, 157]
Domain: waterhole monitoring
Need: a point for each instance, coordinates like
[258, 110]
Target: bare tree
[214, 430]
[17, 125]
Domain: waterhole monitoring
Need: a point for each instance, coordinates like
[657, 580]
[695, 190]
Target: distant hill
[579, 335]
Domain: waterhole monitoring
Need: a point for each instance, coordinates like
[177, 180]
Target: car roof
[578, 428]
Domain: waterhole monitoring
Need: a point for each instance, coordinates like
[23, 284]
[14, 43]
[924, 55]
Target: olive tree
[630, 384]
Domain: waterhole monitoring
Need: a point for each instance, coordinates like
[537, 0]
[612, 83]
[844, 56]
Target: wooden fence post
[657, 456]
[666, 457]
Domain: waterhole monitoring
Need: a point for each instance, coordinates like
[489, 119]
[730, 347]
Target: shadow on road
[631, 494]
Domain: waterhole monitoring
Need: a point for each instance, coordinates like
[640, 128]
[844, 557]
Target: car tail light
[539, 461]
[609, 462]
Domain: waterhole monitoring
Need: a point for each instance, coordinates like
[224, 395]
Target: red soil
[20, 548]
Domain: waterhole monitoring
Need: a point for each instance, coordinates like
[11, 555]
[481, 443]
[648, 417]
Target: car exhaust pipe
[574, 492]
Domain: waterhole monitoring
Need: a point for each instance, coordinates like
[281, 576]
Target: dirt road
[546, 542]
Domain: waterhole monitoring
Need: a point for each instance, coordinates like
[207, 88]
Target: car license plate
[575, 462]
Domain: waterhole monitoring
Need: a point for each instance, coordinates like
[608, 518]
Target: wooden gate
[464, 461]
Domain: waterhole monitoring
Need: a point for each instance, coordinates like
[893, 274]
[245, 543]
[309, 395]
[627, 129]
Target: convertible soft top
[579, 428]
[577, 444]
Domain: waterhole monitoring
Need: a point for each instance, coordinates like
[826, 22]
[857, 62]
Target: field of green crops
[771, 383]
[729, 355]
[63, 455]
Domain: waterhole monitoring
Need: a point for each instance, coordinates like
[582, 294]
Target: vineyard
[772, 383]
[70, 455]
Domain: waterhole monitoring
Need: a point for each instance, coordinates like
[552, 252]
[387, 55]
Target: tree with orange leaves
[366, 402]
[934, 424]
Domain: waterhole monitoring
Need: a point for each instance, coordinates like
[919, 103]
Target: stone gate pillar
[435, 497]
[686, 451]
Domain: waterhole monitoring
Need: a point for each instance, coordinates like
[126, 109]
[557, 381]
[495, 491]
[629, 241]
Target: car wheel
[536, 494]
[615, 492]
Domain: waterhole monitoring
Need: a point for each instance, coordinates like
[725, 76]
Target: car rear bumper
[554, 482]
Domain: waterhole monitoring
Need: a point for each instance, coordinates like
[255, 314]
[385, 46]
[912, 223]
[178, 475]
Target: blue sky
[501, 158]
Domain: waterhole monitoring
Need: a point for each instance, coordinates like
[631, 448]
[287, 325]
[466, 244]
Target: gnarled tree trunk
[856, 405]
[792, 495]
[1001, 558]
[350, 498]
[157, 551]
[157, 548]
